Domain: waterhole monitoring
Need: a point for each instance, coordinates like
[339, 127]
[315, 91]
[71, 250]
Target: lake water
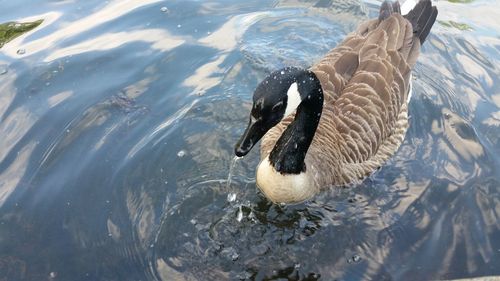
[118, 120]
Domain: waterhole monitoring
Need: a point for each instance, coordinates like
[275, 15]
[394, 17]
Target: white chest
[284, 188]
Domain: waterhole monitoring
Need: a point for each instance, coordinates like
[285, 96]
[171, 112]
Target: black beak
[254, 132]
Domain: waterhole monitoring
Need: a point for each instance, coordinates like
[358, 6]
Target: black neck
[289, 153]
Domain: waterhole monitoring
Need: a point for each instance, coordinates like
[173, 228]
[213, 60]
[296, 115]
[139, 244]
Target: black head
[276, 97]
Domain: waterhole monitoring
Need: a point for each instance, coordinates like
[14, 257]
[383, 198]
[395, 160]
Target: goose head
[276, 97]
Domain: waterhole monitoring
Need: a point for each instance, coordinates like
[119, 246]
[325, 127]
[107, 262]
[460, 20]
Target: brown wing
[368, 107]
[365, 81]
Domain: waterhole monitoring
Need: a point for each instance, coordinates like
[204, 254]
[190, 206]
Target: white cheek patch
[293, 100]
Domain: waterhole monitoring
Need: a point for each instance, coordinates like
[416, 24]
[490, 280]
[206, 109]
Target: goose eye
[277, 106]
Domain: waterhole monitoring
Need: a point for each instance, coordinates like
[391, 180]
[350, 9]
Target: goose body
[338, 121]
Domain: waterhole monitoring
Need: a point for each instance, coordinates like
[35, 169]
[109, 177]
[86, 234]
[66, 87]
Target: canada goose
[338, 121]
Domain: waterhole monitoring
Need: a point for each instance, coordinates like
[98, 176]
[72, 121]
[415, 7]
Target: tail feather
[388, 8]
[422, 17]
[396, 7]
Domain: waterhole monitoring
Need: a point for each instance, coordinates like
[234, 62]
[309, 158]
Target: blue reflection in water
[117, 130]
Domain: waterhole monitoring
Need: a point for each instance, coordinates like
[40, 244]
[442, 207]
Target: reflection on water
[118, 125]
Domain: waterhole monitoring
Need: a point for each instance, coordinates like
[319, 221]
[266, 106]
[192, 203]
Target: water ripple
[118, 125]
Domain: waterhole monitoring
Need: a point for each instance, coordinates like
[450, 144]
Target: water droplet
[192, 221]
[164, 9]
[21, 51]
[181, 153]
[151, 246]
[297, 266]
[239, 216]
[52, 274]
[166, 182]
[252, 216]
[282, 72]
[110, 235]
[107, 201]
[447, 115]
[47, 84]
[354, 259]
[179, 26]
[3, 70]
[208, 32]
[295, 145]
[231, 197]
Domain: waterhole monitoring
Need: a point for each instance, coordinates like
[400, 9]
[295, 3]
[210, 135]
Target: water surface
[118, 122]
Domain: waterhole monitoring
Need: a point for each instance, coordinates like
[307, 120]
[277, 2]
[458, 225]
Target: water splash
[231, 196]
[239, 216]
